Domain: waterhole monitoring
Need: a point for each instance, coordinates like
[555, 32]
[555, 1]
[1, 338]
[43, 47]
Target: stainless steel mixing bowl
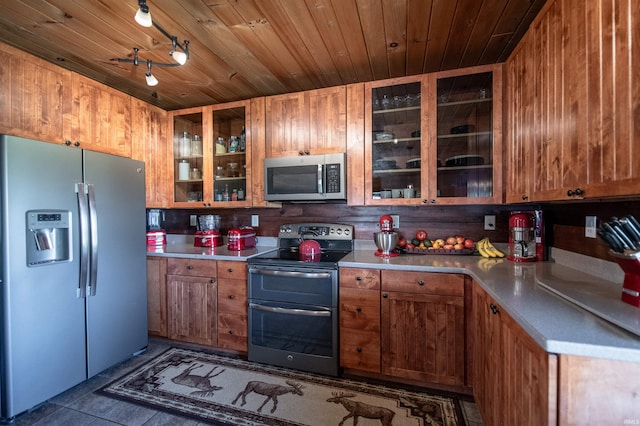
[385, 241]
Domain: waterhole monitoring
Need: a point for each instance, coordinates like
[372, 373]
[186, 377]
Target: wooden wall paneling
[150, 143]
[355, 144]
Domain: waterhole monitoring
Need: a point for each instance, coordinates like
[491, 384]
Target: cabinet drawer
[423, 282]
[360, 350]
[232, 269]
[232, 331]
[232, 296]
[192, 267]
[360, 309]
[360, 278]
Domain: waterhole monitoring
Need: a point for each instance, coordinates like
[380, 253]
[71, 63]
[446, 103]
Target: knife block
[630, 264]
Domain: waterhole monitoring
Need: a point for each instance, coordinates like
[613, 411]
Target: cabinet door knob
[230, 270]
[359, 350]
[300, 153]
[358, 309]
[358, 278]
[577, 192]
[76, 143]
[525, 197]
[67, 143]
[425, 201]
[385, 295]
[230, 331]
[420, 282]
[231, 296]
[212, 280]
[493, 308]
[189, 267]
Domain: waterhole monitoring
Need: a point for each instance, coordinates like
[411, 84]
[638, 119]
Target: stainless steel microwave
[305, 178]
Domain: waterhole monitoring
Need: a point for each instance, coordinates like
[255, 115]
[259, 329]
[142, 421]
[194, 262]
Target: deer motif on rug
[360, 409]
[202, 383]
[271, 391]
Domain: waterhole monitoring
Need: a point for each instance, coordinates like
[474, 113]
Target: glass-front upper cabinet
[211, 160]
[465, 137]
[188, 157]
[394, 148]
[230, 154]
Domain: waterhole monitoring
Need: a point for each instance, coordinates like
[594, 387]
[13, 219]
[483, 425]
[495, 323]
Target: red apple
[469, 243]
[451, 241]
[448, 246]
[458, 246]
[460, 239]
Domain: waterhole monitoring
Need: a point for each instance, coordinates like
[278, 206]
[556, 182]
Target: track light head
[151, 79]
[143, 16]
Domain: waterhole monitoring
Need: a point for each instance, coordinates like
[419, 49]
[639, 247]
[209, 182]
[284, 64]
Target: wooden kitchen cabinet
[157, 296]
[206, 142]
[573, 103]
[306, 123]
[439, 134]
[192, 300]
[360, 319]
[232, 305]
[44, 102]
[149, 144]
[423, 326]
[514, 380]
[99, 118]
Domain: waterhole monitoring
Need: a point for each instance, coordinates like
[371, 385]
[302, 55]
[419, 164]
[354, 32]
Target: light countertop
[529, 292]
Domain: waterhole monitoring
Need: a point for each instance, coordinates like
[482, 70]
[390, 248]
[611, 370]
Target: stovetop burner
[336, 241]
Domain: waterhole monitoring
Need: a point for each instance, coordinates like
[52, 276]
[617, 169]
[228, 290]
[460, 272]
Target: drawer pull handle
[358, 309]
[230, 269]
[385, 295]
[358, 278]
[231, 296]
[420, 282]
[189, 267]
[230, 331]
[493, 308]
[359, 350]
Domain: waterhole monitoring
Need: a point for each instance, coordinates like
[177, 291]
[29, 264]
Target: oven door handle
[292, 274]
[290, 311]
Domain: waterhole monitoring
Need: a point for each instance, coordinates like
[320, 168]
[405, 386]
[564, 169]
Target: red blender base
[392, 253]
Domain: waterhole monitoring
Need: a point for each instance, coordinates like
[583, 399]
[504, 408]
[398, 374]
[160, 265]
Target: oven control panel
[326, 231]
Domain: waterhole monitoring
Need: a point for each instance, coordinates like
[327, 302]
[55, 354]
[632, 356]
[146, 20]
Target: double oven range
[293, 299]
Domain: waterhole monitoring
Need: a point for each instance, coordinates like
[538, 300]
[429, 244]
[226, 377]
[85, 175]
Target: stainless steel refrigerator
[73, 268]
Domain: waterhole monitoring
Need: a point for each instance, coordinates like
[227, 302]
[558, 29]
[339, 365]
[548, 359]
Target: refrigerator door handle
[83, 218]
[93, 224]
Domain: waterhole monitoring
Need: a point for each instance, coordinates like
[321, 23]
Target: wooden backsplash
[564, 222]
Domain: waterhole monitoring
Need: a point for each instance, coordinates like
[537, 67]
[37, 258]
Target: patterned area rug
[229, 391]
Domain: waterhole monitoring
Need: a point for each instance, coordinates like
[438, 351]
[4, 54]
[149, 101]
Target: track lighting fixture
[179, 51]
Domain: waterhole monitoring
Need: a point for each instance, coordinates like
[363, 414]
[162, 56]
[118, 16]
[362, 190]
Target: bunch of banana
[486, 249]
[487, 263]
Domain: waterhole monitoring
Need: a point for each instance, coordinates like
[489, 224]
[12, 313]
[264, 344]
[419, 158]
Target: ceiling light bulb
[151, 79]
[179, 57]
[144, 18]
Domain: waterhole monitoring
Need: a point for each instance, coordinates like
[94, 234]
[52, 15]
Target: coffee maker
[526, 236]
[156, 236]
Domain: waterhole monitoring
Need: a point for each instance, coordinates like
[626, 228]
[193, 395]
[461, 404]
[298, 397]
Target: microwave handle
[320, 179]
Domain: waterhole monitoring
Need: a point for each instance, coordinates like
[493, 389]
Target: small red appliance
[241, 238]
[526, 236]
[630, 264]
[386, 223]
[386, 239]
[156, 236]
[208, 235]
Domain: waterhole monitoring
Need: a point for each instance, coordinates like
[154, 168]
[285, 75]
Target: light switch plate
[193, 220]
[255, 220]
[489, 222]
[396, 220]
[590, 226]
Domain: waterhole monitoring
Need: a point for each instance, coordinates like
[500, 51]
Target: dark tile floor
[81, 406]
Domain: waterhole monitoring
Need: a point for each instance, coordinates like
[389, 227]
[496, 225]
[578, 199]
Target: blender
[208, 234]
[386, 239]
[156, 236]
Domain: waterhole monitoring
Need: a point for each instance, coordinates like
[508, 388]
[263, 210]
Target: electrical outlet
[396, 220]
[193, 220]
[255, 220]
[590, 226]
[489, 222]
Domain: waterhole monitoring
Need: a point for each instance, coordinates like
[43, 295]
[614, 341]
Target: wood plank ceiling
[242, 49]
